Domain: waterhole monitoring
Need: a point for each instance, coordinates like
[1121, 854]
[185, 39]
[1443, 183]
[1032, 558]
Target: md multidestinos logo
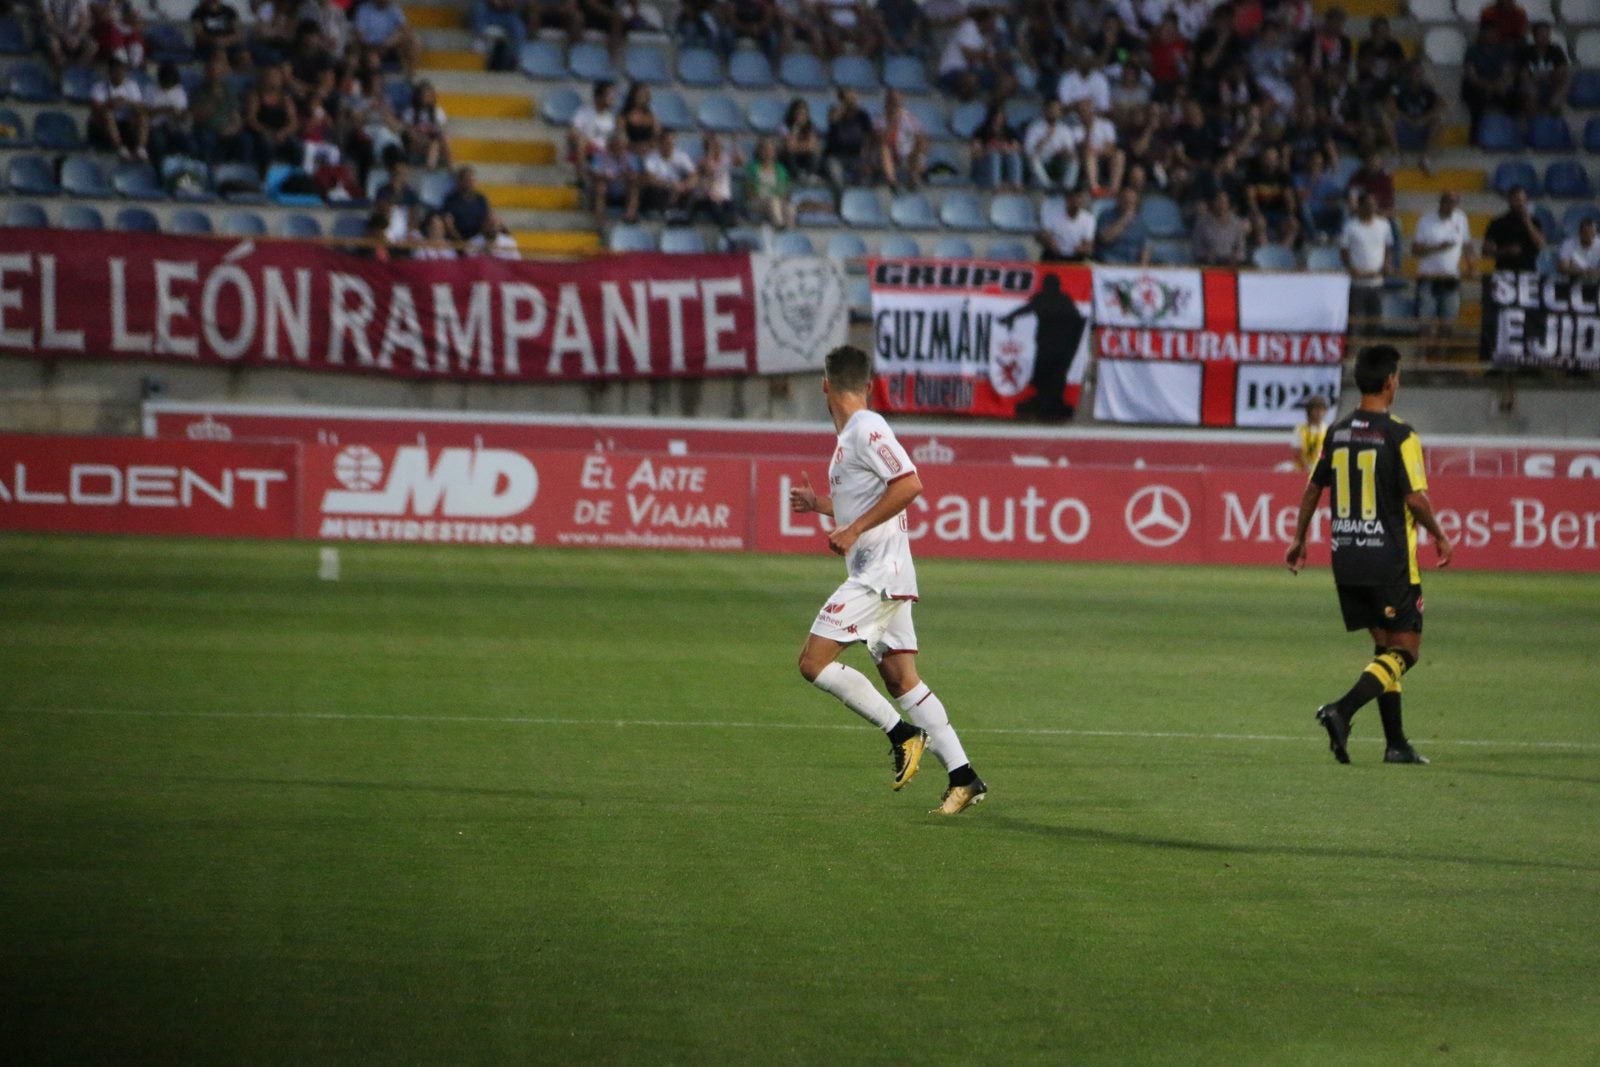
[1157, 515]
[426, 498]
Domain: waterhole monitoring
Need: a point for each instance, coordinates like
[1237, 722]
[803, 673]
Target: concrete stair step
[554, 176]
[546, 221]
[449, 59]
[496, 150]
[557, 242]
[485, 105]
[478, 80]
[1461, 179]
[1365, 9]
[435, 16]
[491, 129]
[531, 197]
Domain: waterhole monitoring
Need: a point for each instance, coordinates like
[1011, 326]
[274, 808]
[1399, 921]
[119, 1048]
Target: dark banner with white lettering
[1533, 320]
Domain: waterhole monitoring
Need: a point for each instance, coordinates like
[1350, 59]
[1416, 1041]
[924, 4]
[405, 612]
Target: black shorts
[1397, 608]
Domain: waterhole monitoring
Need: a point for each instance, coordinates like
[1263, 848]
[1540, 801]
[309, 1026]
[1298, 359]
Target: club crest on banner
[1148, 299]
[802, 305]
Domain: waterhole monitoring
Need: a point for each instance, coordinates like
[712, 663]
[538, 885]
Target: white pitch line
[524, 720]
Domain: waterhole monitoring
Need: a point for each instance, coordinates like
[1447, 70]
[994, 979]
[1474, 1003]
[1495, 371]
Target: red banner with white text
[68, 293]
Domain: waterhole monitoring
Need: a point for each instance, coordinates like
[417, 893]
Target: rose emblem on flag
[1148, 299]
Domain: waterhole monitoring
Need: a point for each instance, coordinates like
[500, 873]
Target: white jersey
[866, 460]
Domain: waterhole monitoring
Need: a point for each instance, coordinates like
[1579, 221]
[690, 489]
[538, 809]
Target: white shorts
[855, 613]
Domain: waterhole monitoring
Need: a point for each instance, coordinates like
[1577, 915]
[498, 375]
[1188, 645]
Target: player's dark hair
[1374, 364]
[848, 369]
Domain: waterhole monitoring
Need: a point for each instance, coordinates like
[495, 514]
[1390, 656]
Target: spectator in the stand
[426, 141]
[1169, 57]
[1201, 137]
[801, 150]
[1508, 20]
[1321, 198]
[1225, 174]
[847, 150]
[563, 15]
[713, 195]
[699, 26]
[1095, 139]
[613, 179]
[1130, 98]
[639, 123]
[1113, 44]
[973, 61]
[405, 205]
[849, 25]
[1543, 74]
[1580, 254]
[167, 104]
[1193, 17]
[592, 125]
[905, 27]
[756, 20]
[1373, 179]
[1216, 47]
[271, 38]
[1273, 66]
[505, 18]
[380, 25]
[669, 180]
[1442, 243]
[1365, 245]
[1308, 436]
[902, 144]
[1083, 82]
[1327, 49]
[218, 117]
[271, 116]
[1307, 133]
[377, 140]
[1120, 234]
[308, 59]
[615, 19]
[1385, 54]
[117, 117]
[466, 210]
[1066, 229]
[215, 27]
[435, 239]
[1221, 236]
[333, 27]
[996, 155]
[1270, 196]
[496, 240]
[1050, 149]
[1488, 76]
[766, 183]
[118, 33]
[1413, 115]
[1515, 239]
[66, 32]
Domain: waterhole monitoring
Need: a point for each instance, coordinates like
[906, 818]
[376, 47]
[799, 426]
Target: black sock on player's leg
[963, 775]
[1394, 734]
[902, 732]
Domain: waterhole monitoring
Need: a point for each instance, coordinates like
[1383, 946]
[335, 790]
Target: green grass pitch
[474, 805]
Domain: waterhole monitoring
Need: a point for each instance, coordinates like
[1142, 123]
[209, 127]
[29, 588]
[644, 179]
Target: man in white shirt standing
[971, 61]
[1048, 146]
[592, 126]
[1441, 241]
[1365, 245]
[1066, 231]
[1084, 82]
[872, 481]
[1580, 253]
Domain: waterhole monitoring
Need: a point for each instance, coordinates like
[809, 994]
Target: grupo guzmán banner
[1534, 320]
[310, 306]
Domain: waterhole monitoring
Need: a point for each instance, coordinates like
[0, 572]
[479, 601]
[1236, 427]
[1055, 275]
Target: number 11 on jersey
[1367, 467]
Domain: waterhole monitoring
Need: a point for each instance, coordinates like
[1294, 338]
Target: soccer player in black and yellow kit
[1373, 462]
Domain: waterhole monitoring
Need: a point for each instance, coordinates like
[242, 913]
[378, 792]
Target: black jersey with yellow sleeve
[1372, 461]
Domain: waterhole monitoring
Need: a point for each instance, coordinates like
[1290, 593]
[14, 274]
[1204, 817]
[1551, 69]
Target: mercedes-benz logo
[1157, 515]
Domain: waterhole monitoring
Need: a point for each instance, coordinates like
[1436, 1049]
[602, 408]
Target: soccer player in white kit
[871, 481]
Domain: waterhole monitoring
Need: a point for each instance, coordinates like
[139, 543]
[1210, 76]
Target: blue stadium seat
[750, 70]
[559, 105]
[244, 224]
[31, 83]
[930, 112]
[907, 74]
[720, 114]
[56, 131]
[816, 213]
[13, 132]
[1591, 135]
[591, 62]
[682, 240]
[1565, 179]
[83, 176]
[952, 248]
[1021, 110]
[1171, 253]
[646, 63]
[1009, 250]
[899, 246]
[542, 60]
[1575, 214]
[195, 187]
[740, 239]
[860, 207]
[349, 225]
[81, 217]
[1013, 213]
[965, 120]
[136, 220]
[189, 220]
[1498, 133]
[856, 72]
[1274, 257]
[166, 43]
[1161, 216]
[137, 181]
[279, 176]
[630, 239]
[912, 211]
[946, 165]
[1324, 257]
[766, 114]
[298, 225]
[1549, 133]
[1548, 261]
[700, 68]
[238, 183]
[671, 110]
[859, 294]
[818, 103]
[960, 211]
[434, 187]
[848, 248]
[25, 216]
[802, 70]
[793, 244]
[13, 41]
[1515, 172]
[1585, 89]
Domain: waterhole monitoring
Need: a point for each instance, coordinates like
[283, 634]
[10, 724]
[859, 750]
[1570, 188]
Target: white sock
[927, 711]
[858, 694]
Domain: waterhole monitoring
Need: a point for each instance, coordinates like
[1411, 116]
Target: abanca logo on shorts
[463, 483]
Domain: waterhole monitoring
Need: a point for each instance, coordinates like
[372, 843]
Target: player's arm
[803, 498]
[1295, 557]
[1421, 509]
[895, 499]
